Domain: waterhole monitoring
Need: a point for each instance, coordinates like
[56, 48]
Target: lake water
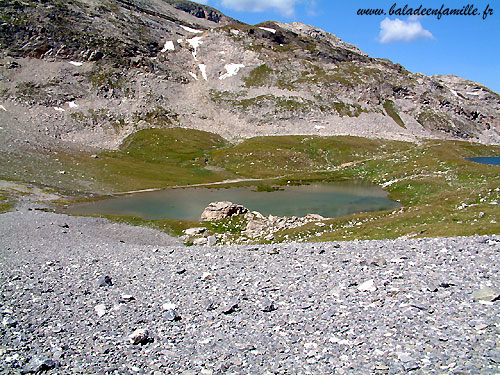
[493, 160]
[328, 200]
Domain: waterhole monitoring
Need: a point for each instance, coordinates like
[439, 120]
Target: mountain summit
[88, 73]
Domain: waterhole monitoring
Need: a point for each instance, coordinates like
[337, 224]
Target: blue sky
[466, 46]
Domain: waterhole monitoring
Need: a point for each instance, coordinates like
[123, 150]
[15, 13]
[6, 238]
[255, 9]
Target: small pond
[493, 160]
[328, 200]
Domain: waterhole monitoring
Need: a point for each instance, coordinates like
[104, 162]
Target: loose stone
[37, 365]
[268, 306]
[195, 231]
[367, 286]
[486, 294]
[171, 315]
[230, 307]
[104, 281]
[139, 336]
[100, 310]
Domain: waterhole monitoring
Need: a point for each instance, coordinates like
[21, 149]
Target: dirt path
[232, 181]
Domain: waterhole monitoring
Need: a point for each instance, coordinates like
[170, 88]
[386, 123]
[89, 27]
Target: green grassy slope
[442, 193]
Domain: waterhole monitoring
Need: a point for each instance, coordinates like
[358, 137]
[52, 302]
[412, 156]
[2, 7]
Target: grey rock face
[65, 83]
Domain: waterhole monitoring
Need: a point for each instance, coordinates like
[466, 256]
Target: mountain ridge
[126, 65]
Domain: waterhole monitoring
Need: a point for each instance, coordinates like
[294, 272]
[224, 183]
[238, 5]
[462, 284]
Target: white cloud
[285, 7]
[402, 31]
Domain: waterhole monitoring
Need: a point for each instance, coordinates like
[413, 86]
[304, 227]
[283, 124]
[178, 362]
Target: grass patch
[5, 207]
[391, 111]
[258, 76]
[231, 225]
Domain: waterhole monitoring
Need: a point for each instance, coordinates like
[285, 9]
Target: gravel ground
[74, 289]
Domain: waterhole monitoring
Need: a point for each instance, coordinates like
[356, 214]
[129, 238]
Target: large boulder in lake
[221, 210]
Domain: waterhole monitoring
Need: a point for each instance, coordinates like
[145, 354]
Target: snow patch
[191, 30]
[235, 32]
[268, 29]
[472, 93]
[454, 92]
[179, 41]
[318, 127]
[72, 105]
[222, 52]
[195, 43]
[168, 46]
[3, 108]
[203, 69]
[231, 70]
[59, 109]
[193, 75]
[76, 63]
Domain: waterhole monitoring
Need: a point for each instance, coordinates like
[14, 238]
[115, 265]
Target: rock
[494, 356]
[168, 306]
[404, 357]
[367, 286]
[255, 225]
[230, 307]
[221, 210]
[100, 310]
[378, 262]
[9, 322]
[268, 306]
[139, 336]
[104, 281]
[486, 294]
[254, 215]
[127, 297]
[210, 305]
[36, 365]
[171, 315]
[314, 217]
[211, 240]
[432, 288]
[195, 231]
[446, 285]
[200, 241]
[96, 56]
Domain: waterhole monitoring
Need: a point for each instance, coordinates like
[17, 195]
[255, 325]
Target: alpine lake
[326, 199]
[490, 160]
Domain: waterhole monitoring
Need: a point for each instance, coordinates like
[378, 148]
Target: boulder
[314, 217]
[221, 210]
[195, 231]
[256, 225]
[200, 241]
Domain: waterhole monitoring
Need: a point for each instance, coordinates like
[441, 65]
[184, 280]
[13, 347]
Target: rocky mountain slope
[88, 73]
